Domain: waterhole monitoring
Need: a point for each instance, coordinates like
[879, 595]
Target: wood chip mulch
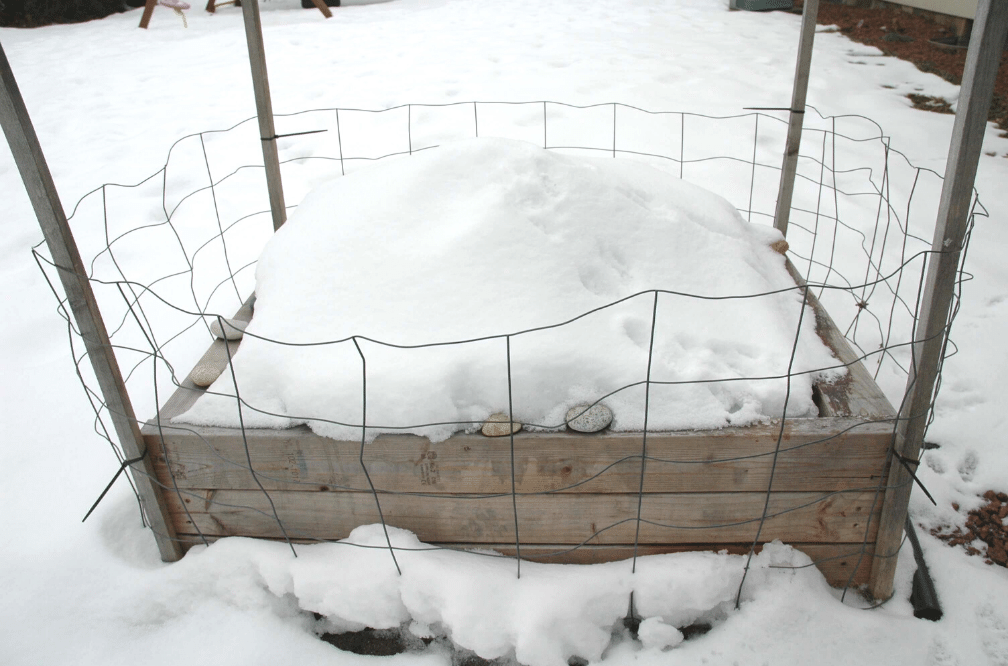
[987, 524]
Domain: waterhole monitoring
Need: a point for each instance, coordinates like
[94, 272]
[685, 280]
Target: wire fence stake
[982, 58]
[41, 189]
[264, 110]
[797, 116]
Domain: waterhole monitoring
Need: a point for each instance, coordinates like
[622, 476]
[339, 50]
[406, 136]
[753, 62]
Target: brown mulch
[912, 37]
[986, 524]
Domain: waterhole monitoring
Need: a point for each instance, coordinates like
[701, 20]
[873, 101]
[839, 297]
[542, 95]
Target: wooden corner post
[789, 170]
[931, 330]
[38, 182]
[264, 110]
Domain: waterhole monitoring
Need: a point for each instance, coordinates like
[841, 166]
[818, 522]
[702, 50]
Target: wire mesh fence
[170, 256]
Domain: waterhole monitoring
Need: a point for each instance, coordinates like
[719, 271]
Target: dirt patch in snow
[985, 524]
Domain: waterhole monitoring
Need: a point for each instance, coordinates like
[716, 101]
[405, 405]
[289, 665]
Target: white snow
[108, 100]
[654, 633]
[488, 237]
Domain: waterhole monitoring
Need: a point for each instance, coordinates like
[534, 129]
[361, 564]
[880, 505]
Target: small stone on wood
[233, 329]
[210, 367]
[498, 425]
[583, 418]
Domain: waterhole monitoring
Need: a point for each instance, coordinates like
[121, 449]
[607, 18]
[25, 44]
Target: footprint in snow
[968, 465]
[939, 654]
[993, 629]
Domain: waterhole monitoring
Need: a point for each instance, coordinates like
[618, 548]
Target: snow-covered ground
[108, 100]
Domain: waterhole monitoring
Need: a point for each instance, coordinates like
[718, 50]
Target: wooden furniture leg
[323, 8]
[148, 11]
[212, 5]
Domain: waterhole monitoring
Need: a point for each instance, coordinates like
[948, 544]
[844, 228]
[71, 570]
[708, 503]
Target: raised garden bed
[576, 496]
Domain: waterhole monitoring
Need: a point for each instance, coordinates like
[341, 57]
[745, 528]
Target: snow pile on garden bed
[489, 237]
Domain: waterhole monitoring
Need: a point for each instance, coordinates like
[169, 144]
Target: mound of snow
[548, 615]
[488, 238]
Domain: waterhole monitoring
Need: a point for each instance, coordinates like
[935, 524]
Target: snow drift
[476, 600]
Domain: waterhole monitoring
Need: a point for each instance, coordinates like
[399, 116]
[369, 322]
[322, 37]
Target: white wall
[963, 8]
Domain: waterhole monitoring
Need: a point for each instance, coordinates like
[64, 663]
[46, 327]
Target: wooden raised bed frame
[710, 485]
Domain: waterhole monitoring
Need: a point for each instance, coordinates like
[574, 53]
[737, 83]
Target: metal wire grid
[174, 251]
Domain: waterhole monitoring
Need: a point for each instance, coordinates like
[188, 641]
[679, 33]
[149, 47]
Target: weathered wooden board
[816, 454]
[855, 394]
[186, 395]
[551, 518]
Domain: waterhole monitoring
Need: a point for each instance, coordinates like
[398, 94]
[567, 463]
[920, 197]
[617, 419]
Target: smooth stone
[209, 368]
[498, 426]
[596, 418]
[780, 245]
[234, 329]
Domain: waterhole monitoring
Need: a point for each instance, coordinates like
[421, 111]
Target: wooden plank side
[816, 454]
[186, 395]
[551, 518]
[856, 394]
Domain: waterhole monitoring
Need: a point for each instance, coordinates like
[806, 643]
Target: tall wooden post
[42, 191]
[264, 109]
[797, 116]
[982, 61]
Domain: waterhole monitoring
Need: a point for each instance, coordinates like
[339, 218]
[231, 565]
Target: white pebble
[234, 329]
[497, 426]
[583, 418]
[204, 374]
[210, 367]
